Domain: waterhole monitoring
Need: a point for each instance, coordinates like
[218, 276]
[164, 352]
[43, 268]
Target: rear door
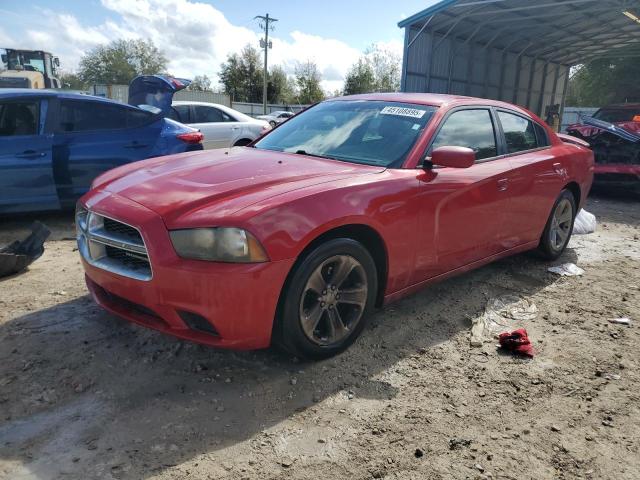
[220, 130]
[94, 136]
[536, 179]
[463, 209]
[26, 173]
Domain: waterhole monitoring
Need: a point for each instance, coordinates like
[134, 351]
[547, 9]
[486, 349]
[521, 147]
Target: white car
[221, 126]
[276, 118]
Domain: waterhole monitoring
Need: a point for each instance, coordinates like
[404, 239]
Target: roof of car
[193, 102]
[435, 100]
[624, 106]
[33, 92]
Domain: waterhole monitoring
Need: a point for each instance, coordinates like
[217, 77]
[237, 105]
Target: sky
[197, 36]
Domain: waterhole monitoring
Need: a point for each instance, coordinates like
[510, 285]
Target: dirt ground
[86, 395]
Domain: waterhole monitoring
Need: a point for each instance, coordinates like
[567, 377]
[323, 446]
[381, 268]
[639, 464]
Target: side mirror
[56, 61]
[453, 157]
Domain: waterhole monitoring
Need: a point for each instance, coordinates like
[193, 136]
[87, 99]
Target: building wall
[451, 65]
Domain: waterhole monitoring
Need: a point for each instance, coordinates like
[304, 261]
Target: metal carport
[519, 51]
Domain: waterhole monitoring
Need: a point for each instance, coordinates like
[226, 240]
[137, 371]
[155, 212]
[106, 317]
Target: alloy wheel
[561, 224]
[333, 300]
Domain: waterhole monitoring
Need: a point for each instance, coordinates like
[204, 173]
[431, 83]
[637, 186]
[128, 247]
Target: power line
[265, 25]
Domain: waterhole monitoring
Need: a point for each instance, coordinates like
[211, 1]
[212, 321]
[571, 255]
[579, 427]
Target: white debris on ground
[504, 313]
[584, 223]
[566, 270]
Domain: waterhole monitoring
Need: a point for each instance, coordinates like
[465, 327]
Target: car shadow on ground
[615, 206]
[87, 394]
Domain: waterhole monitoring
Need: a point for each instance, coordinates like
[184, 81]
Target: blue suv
[53, 143]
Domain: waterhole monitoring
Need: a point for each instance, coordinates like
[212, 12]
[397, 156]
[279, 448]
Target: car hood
[192, 189]
[155, 91]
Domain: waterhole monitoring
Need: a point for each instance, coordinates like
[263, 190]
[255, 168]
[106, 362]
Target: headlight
[81, 218]
[218, 245]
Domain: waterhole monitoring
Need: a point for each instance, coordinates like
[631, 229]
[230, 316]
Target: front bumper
[238, 301]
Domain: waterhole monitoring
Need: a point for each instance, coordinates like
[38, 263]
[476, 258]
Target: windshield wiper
[304, 152]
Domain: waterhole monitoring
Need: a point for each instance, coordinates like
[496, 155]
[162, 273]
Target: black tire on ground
[289, 333]
[552, 243]
[272, 123]
[243, 142]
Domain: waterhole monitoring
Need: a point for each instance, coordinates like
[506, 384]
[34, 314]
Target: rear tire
[559, 228]
[272, 123]
[326, 300]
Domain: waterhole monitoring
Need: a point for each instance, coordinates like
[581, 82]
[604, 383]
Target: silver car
[221, 126]
[276, 118]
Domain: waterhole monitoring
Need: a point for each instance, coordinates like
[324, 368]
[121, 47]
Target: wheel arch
[242, 142]
[574, 188]
[368, 236]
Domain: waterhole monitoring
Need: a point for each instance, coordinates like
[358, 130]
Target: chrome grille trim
[93, 240]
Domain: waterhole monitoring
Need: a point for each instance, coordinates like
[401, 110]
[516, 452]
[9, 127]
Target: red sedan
[354, 203]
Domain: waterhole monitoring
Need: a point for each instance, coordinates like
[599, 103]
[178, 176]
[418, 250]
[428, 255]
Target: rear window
[19, 118]
[202, 114]
[519, 133]
[83, 116]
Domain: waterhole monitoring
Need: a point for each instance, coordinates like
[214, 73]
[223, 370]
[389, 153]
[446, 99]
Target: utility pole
[265, 24]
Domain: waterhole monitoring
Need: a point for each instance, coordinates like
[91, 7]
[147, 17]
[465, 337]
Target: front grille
[114, 246]
[114, 226]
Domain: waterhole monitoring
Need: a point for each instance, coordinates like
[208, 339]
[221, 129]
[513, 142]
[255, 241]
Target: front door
[462, 218]
[26, 174]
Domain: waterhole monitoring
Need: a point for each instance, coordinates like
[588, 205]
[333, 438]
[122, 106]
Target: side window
[86, 116]
[468, 128]
[19, 118]
[138, 118]
[541, 135]
[519, 132]
[180, 113]
[210, 115]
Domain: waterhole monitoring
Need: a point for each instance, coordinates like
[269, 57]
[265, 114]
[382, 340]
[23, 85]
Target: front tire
[557, 232]
[327, 300]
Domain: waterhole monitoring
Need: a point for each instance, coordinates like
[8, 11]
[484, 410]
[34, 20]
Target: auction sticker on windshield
[403, 112]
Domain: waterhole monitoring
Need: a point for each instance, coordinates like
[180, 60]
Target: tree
[360, 78]
[280, 88]
[200, 83]
[241, 76]
[71, 81]
[377, 70]
[308, 81]
[386, 66]
[121, 61]
[605, 81]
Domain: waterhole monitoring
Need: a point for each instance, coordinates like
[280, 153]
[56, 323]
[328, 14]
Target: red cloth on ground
[517, 341]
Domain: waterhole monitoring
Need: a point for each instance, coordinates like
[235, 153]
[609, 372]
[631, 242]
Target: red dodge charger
[356, 202]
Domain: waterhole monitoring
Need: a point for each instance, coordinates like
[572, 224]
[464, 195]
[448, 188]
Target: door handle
[30, 154]
[135, 145]
[503, 184]
[235, 128]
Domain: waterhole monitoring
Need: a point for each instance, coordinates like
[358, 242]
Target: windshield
[27, 60]
[368, 132]
[616, 115]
